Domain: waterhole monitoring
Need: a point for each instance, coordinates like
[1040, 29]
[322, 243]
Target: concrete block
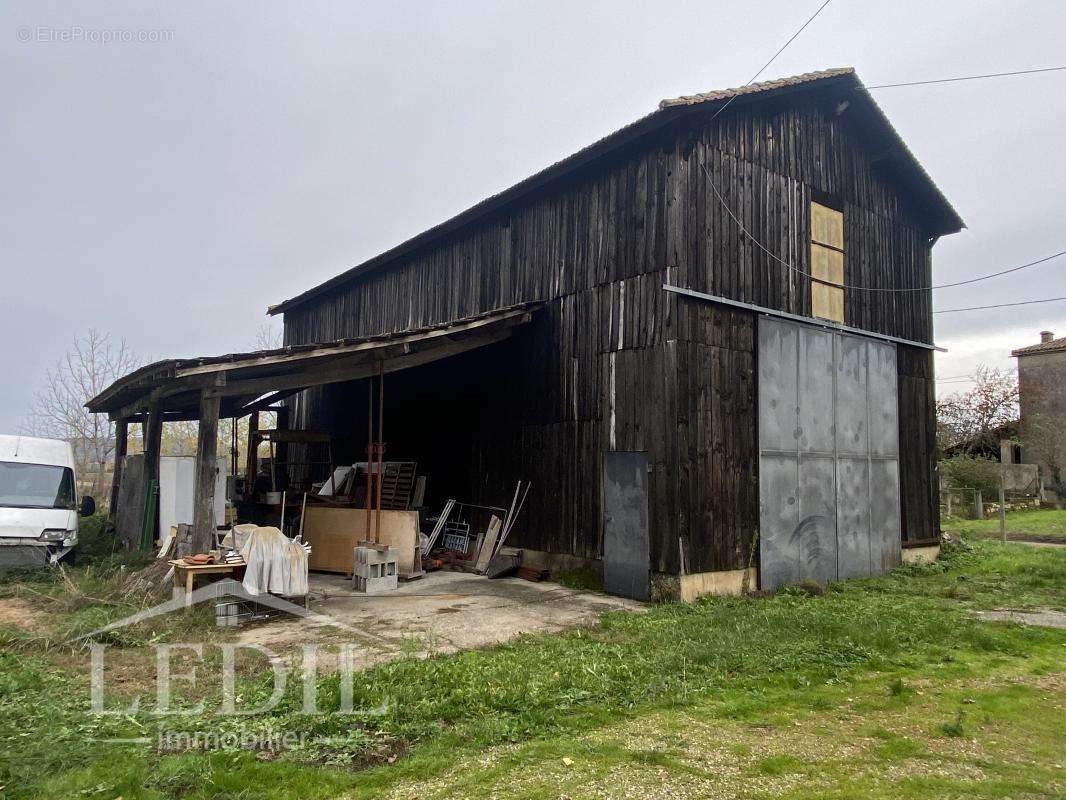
[375, 570]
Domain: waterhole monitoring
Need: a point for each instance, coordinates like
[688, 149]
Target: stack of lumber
[531, 573]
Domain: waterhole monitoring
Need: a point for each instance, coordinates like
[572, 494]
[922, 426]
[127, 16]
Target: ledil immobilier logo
[203, 705]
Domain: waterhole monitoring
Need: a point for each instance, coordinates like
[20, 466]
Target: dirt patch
[1042, 617]
[20, 613]
[1037, 540]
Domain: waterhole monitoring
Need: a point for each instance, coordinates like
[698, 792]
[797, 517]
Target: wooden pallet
[397, 485]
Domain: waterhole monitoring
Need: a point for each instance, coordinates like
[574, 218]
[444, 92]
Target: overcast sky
[166, 192]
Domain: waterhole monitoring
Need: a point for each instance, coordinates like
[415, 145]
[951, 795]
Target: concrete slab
[442, 612]
[1042, 617]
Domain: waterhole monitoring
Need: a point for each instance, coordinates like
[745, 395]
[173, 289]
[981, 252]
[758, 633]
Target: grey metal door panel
[778, 418]
[626, 553]
[779, 511]
[815, 378]
[814, 538]
[854, 554]
[828, 445]
[884, 416]
[851, 400]
[886, 522]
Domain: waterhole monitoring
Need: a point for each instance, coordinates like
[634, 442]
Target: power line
[773, 58]
[962, 78]
[791, 39]
[807, 274]
[1000, 305]
[794, 268]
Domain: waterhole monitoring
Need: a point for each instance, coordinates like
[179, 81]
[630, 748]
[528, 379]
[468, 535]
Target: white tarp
[276, 564]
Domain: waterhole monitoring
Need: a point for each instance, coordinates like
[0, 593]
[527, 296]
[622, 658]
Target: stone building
[1041, 378]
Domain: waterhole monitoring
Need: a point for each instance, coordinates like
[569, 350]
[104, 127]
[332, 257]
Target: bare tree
[969, 419]
[58, 410]
[268, 337]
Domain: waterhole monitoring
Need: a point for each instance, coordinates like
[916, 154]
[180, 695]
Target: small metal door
[626, 554]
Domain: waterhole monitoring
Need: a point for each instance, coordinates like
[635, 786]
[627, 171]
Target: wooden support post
[153, 444]
[380, 448]
[206, 473]
[153, 439]
[1002, 507]
[369, 452]
[252, 456]
[121, 441]
[282, 417]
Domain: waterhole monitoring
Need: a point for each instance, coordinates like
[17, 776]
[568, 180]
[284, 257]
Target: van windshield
[36, 486]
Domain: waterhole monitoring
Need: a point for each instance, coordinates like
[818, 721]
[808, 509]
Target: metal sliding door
[828, 455]
[626, 545]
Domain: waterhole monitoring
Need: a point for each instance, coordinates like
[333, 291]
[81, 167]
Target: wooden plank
[488, 544]
[206, 474]
[121, 443]
[333, 533]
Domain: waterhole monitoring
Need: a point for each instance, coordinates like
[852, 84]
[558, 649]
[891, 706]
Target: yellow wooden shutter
[827, 263]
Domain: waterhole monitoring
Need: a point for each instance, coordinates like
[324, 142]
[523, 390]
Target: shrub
[972, 472]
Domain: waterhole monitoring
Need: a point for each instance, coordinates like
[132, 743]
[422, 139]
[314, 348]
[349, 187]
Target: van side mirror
[88, 507]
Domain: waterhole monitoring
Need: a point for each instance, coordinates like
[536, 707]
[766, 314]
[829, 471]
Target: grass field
[1037, 525]
[887, 687]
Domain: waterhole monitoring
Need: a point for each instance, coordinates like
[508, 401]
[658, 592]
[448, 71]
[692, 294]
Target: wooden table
[185, 575]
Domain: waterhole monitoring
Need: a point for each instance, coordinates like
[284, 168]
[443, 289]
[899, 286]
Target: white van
[39, 504]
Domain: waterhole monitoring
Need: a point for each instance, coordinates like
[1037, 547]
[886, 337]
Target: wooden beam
[281, 449]
[121, 444]
[153, 440]
[331, 364]
[206, 474]
[252, 456]
[367, 347]
[340, 373]
[265, 402]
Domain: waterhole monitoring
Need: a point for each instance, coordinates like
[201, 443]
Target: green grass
[583, 578]
[737, 662]
[1038, 524]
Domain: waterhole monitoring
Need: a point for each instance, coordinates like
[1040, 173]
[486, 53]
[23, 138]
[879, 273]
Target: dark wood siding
[613, 361]
[918, 482]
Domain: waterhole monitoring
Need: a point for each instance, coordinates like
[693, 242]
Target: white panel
[177, 492]
[177, 488]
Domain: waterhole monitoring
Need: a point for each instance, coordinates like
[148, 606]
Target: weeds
[955, 728]
[582, 578]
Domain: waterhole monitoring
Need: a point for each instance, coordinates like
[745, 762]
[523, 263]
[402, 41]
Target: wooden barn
[706, 340]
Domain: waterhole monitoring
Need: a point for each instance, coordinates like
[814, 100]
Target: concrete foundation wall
[921, 555]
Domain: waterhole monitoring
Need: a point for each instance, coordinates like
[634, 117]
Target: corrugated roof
[174, 375]
[944, 218]
[1043, 347]
[756, 88]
